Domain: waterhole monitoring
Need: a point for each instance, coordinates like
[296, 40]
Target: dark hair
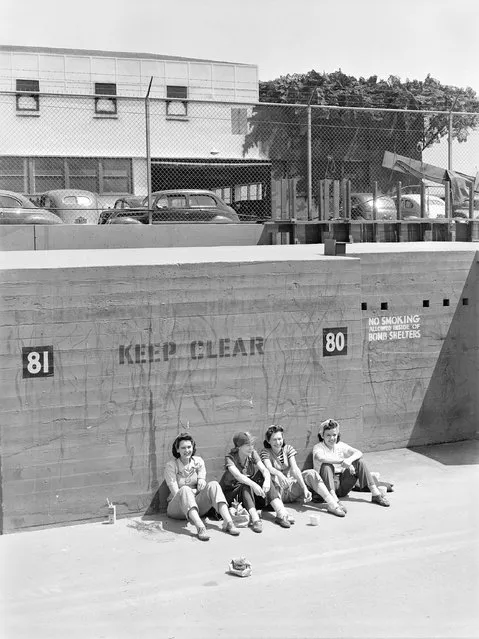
[182, 437]
[270, 432]
[332, 423]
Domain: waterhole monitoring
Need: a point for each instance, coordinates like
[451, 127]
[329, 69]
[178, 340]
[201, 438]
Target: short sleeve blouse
[282, 460]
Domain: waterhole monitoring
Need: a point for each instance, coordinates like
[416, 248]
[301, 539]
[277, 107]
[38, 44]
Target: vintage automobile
[122, 203]
[73, 206]
[362, 205]
[410, 209]
[180, 205]
[18, 209]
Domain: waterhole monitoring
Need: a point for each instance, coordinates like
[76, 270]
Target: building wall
[148, 344]
[67, 126]
[76, 71]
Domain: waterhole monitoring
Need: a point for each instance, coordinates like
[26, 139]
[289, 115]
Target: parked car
[122, 203]
[362, 207]
[411, 207]
[462, 209]
[253, 210]
[73, 206]
[185, 205]
[18, 209]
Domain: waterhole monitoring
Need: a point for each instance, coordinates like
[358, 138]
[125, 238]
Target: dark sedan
[177, 206]
[18, 209]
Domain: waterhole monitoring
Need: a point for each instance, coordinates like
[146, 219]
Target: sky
[406, 38]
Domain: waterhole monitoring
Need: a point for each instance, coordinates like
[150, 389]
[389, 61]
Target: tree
[347, 142]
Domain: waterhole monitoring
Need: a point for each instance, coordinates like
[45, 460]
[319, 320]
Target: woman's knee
[326, 470]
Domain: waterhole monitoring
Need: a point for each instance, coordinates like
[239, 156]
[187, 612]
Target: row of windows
[28, 101]
[37, 175]
[28, 97]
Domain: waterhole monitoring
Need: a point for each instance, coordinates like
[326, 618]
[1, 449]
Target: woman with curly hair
[191, 496]
[292, 484]
[341, 466]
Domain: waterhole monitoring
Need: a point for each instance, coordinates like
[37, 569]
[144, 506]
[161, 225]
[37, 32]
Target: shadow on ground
[456, 454]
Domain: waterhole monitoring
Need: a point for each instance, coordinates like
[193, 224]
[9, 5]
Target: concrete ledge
[71, 236]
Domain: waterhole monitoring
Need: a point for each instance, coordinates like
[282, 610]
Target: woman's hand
[201, 484]
[282, 480]
[258, 491]
[307, 496]
[347, 465]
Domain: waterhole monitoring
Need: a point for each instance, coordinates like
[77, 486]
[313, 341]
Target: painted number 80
[335, 341]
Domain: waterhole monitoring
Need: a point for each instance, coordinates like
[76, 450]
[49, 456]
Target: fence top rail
[247, 103]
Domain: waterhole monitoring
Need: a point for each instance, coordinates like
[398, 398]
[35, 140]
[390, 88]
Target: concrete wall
[419, 353]
[71, 236]
[235, 345]
[145, 344]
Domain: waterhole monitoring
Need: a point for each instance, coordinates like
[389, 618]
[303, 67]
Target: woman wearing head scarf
[191, 496]
[292, 484]
[341, 466]
[246, 479]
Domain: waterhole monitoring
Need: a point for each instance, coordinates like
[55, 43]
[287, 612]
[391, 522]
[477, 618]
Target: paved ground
[411, 570]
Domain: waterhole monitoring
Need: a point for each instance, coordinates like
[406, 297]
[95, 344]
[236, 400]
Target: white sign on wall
[394, 327]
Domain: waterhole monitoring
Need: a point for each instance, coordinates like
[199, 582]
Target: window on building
[115, 175]
[28, 95]
[224, 194]
[48, 174]
[107, 104]
[83, 174]
[37, 175]
[13, 174]
[239, 121]
[176, 104]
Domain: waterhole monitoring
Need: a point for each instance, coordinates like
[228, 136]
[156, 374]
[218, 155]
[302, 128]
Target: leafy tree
[351, 143]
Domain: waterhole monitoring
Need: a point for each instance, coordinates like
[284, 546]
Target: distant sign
[335, 341]
[37, 361]
[394, 327]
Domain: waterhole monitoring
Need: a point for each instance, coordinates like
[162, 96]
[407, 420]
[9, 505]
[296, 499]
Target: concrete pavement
[411, 570]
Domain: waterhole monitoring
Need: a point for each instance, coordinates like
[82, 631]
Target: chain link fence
[108, 159]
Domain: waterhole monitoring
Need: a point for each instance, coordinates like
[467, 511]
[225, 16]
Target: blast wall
[107, 355]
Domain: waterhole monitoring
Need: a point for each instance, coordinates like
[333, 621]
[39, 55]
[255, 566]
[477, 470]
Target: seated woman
[292, 484]
[191, 496]
[247, 480]
[341, 465]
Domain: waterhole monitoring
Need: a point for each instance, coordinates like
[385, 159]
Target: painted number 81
[37, 361]
[335, 341]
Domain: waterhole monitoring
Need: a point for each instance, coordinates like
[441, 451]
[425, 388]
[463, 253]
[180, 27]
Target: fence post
[447, 193]
[309, 168]
[148, 150]
[449, 143]
[423, 200]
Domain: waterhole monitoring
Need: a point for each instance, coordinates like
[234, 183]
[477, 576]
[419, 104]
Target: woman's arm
[243, 479]
[353, 455]
[265, 472]
[299, 477]
[282, 480]
[201, 473]
[170, 477]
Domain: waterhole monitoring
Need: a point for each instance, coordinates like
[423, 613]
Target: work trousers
[186, 499]
[343, 482]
